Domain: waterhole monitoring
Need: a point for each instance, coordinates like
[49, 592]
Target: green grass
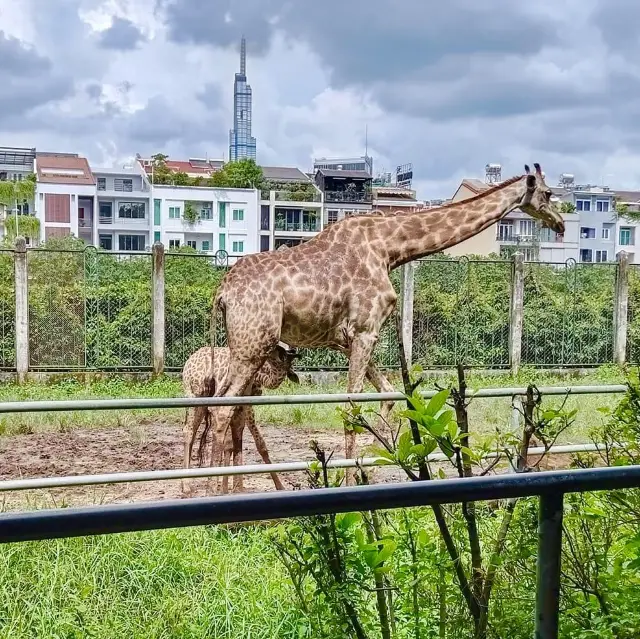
[183, 583]
[485, 414]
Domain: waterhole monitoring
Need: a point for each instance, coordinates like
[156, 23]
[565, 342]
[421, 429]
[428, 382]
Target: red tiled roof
[63, 169]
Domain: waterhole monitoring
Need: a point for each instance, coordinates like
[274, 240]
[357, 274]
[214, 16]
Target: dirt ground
[153, 446]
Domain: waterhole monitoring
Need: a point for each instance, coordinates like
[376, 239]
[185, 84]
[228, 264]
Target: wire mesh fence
[461, 313]
[56, 301]
[91, 309]
[118, 310]
[7, 310]
[568, 314]
[191, 281]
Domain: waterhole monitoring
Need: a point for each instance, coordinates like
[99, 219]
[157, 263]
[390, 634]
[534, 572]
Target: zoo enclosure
[76, 310]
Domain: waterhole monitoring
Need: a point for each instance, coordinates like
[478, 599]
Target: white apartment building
[206, 219]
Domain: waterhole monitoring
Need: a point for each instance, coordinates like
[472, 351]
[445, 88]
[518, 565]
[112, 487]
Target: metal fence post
[408, 274]
[621, 310]
[22, 309]
[549, 563]
[516, 313]
[158, 304]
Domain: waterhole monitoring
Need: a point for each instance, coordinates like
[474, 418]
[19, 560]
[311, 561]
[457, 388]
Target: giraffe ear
[527, 170]
[531, 182]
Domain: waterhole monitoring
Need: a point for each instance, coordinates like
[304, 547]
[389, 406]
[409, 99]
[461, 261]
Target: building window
[105, 242]
[264, 243]
[238, 247]
[206, 213]
[625, 237]
[222, 215]
[586, 255]
[132, 210]
[123, 184]
[222, 243]
[505, 232]
[106, 213]
[606, 233]
[206, 245]
[587, 233]
[192, 244]
[131, 242]
[583, 205]
[157, 204]
[156, 236]
[602, 206]
[527, 228]
[174, 212]
[332, 216]
[174, 244]
[238, 215]
[602, 256]
[265, 217]
[102, 184]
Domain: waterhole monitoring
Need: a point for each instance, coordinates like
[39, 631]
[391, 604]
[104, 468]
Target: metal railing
[550, 487]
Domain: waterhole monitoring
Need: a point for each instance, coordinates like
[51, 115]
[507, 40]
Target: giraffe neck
[427, 231]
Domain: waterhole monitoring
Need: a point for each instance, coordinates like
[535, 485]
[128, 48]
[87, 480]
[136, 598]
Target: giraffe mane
[483, 194]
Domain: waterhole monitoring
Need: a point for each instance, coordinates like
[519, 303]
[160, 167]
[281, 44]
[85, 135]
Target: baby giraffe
[274, 371]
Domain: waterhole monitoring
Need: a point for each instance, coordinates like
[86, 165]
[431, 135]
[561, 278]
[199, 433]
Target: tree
[161, 172]
[567, 207]
[180, 178]
[623, 212]
[241, 174]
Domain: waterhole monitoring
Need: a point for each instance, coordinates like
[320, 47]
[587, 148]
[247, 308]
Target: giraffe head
[536, 200]
[278, 366]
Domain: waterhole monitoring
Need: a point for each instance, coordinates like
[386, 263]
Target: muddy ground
[152, 446]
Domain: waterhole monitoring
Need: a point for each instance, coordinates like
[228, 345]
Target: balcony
[85, 223]
[513, 238]
[293, 225]
[105, 219]
[301, 195]
[364, 197]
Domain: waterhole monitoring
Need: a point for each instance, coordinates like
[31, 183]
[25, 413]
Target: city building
[65, 194]
[345, 193]
[16, 165]
[193, 167]
[124, 211]
[392, 198]
[360, 163]
[241, 143]
[290, 208]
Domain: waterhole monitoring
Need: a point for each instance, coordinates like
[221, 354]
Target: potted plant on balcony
[190, 215]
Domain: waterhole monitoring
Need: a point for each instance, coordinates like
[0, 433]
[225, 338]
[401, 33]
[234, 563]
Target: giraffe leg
[382, 385]
[261, 445]
[360, 353]
[188, 435]
[237, 427]
[239, 376]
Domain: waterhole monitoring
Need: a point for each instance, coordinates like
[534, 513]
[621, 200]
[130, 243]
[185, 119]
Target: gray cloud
[122, 35]
[27, 79]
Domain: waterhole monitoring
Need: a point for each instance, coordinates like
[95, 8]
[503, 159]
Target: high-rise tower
[241, 143]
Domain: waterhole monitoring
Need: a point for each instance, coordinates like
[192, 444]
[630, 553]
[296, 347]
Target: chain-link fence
[118, 310]
[568, 314]
[90, 309]
[56, 300]
[461, 313]
[191, 282]
[633, 341]
[7, 311]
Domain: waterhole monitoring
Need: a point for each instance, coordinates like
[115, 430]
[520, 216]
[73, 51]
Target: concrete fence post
[517, 313]
[22, 309]
[157, 286]
[408, 274]
[621, 309]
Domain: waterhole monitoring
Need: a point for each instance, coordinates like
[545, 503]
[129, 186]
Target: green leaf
[437, 402]
[347, 520]
[404, 446]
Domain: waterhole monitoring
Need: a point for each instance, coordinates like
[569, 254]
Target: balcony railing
[106, 219]
[518, 239]
[298, 227]
[84, 224]
[298, 196]
[348, 196]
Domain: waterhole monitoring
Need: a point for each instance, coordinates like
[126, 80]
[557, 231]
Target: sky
[449, 86]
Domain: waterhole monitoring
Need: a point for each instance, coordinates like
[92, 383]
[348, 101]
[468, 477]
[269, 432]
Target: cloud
[122, 35]
[447, 86]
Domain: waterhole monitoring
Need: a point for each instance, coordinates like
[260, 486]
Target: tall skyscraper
[241, 143]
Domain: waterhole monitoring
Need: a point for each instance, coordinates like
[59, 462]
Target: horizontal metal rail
[175, 513]
[273, 400]
[39, 483]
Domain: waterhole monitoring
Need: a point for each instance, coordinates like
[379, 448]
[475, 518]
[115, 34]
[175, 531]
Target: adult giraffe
[334, 291]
